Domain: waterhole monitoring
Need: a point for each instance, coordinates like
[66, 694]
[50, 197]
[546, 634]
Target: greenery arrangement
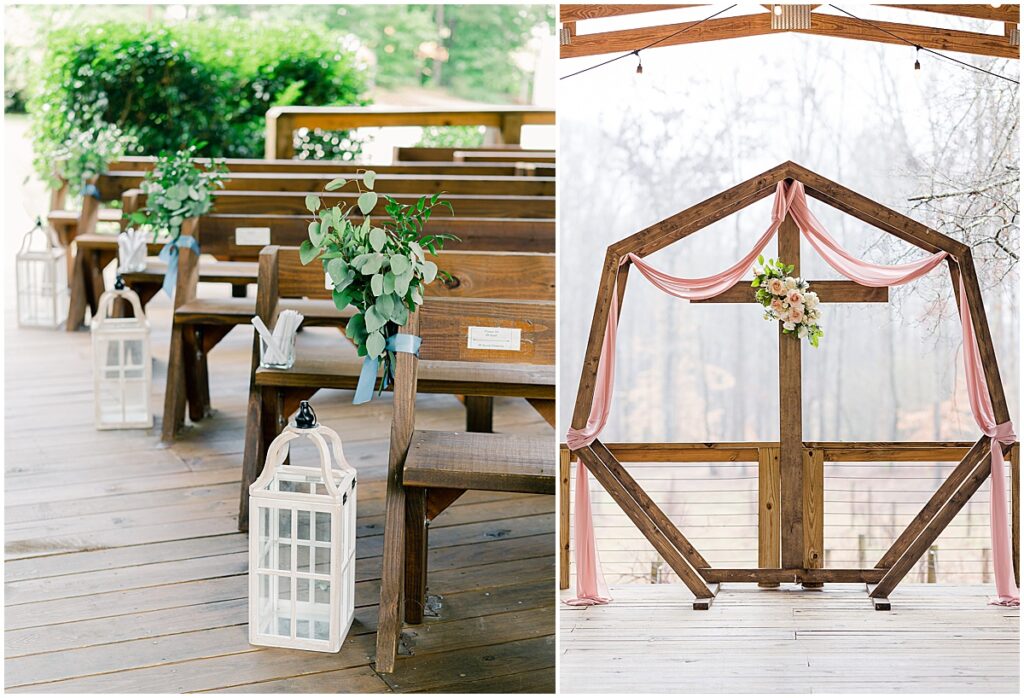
[176, 189]
[84, 155]
[169, 85]
[452, 137]
[788, 300]
[380, 268]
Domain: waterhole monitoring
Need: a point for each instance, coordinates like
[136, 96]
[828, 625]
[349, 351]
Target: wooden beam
[642, 520]
[598, 327]
[828, 292]
[791, 417]
[972, 288]
[980, 466]
[771, 577]
[1006, 12]
[814, 512]
[573, 13]
[1015, 510]
[769, 521]
[749, 451]
[626, 40]
[563, 517]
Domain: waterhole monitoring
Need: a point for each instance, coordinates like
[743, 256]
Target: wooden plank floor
[937, 639]
[125, 573]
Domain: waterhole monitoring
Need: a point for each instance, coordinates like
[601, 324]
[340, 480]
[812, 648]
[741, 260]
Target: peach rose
[795, 298]
[776, 287]
[777, 305]
[796, 315]
[790, 283]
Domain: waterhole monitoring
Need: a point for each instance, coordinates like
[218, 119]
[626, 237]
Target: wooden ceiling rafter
[1003, 45]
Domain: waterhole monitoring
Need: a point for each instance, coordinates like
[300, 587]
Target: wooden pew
[427, 470]
[274, 394]
[493, 153]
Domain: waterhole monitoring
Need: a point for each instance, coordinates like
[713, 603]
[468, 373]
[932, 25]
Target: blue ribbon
[169, 254]
[405, 343]
[91, 190]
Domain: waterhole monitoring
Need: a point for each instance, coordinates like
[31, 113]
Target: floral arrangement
[84, 154]
[788, 300]
[177, 189]
[380, 268]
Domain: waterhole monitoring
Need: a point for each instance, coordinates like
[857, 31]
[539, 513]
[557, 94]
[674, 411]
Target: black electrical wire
[650, 45]
[923, 48]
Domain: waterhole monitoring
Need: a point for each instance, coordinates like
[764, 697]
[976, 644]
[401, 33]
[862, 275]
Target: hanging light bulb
[996, 5]
[777, 10]
[917, 58]
[639, 63]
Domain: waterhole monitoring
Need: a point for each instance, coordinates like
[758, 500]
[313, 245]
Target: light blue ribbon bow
[169, 254]
[405, 343]
[91, 190]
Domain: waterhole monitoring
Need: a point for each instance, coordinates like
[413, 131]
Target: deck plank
[124, 571]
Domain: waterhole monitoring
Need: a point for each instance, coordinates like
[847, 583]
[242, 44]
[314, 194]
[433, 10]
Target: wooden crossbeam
[774, 576]
[1006, 12]
[978, 465]
[834, 451]
[828, 292]
[625, 40]
[573, 13]
[641, 518]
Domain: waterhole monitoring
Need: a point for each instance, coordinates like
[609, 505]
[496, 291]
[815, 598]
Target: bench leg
[415, 554]
[389, 617]
[194, 370]
[79, 293]
[174, 393]
[479, 413]
[254, 455]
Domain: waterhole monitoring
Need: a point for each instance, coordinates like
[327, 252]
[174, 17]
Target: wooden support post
[415, 554]
[564, 467]
[511, 128]
[791, 418]
[769, 512]
[814, 512]
[979, 465]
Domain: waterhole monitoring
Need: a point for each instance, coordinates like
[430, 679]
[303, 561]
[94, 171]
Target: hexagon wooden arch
[791, 473]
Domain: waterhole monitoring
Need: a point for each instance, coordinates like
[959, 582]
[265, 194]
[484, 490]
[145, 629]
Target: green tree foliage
[173, 86]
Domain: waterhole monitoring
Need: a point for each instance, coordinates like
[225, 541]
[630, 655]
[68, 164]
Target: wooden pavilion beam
[1007, 12]
[574, 13]
[828, 292]
[626, 40]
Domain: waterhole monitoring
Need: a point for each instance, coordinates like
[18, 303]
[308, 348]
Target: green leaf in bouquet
[400, 264]
[307, 252]
[336, 184]
[377, 239]
[367, 200]
[374, 320]
[375, 343]
[312, 202]
[368, 179]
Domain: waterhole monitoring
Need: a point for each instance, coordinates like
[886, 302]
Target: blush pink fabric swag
[590, 585]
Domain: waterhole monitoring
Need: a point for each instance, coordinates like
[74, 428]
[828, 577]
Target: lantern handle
[339, 455]
[107, 300]
[270, 468]
[26, 240]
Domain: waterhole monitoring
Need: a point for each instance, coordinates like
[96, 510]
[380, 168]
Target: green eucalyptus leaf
[385, 305]
[372, 264]
[429, 272]
[368, 178]
[307, 252]
[336, 184]
[417, 251]
[342, 299]
[341, 275]
[400, 314]
[375, 343]
[312, 202]
[374, 320]
[377, 239]
[377, 284]
[367, 200]
[356, 328]
[402, 282]
[400, 264]
[389, 282]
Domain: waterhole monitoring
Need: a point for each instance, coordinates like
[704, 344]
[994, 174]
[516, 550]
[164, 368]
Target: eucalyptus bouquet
[177, 189]
[84, 154]
[379, 267]
[788, 300]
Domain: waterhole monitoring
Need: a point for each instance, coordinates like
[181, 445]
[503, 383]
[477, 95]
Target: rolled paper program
[131, 251]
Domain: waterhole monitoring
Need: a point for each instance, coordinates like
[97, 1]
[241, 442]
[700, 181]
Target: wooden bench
[274, 394]
[493, 153]
[427, 470]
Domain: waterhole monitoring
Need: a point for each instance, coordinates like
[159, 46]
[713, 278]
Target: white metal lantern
[42, 278]
[302, 544]
[122, 370]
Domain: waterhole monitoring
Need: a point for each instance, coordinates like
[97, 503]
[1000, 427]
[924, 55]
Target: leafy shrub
[172, 86]
[452, 137]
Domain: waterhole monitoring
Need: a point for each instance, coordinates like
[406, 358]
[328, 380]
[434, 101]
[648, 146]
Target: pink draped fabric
[590, 585]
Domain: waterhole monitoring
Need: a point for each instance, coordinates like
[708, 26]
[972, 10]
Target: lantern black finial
[119, 283]
[306, 418]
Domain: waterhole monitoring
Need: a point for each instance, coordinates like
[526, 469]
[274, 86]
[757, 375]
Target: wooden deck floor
[124, 571]
[937, 639]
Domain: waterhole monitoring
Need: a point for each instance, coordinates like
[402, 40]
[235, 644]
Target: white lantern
[302, 544]
[42, 278]
[122, 370]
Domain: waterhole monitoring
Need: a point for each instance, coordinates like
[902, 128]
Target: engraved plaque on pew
[495, 338]
[245, 237]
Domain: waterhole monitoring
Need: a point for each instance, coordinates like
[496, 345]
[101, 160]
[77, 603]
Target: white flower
[788, 326]
[790, 283]
[802, 332]
[811, 299]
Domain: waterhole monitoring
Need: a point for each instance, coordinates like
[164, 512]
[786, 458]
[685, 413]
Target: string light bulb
[777, 10]
[639, 63]
[917, 58]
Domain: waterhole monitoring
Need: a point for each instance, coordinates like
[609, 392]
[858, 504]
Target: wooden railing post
[1015, 509]
[564, 462]
[769, 512]
[511, 128]
[814, 511]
